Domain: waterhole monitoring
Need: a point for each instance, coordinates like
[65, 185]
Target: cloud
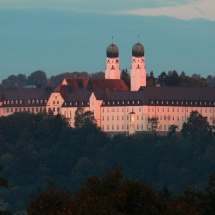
[193, 10]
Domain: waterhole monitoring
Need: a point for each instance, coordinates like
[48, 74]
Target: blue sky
[72, 35]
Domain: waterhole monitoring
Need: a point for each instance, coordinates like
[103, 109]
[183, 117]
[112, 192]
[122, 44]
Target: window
[122, 127]
[112, 127]
[205, 110]
[122, 109]
[33, 101]
[127, 109]
[112, 110]
[137, 127]
[37, 101]
[164, 117]
[107, 118]
[117, 127]
[177, 109]
[173, 110]
[7, 110]
[127, 117]
[178, 118]
[122, 117]
[102, 118]
[108, 110]
[58, 110]
[70, 112]
[32, 109]
[168, 117]
[164, 127]
[102, 127]
[173, 118]
[152, 109]
[160, 117]
[107, 127]
[167, 109]
[163, 109]
[158, 109]
[20, 110]
[139, 109]
[148, 109]
[117, 117]
[142, 117]
[11, 110]
[112, 117]
[29, 109]
[54, 109]
[182, 118]
[102, 110]
[142, 126]
[137, 117]
[117, 109]
[29, 101]
[127, 127]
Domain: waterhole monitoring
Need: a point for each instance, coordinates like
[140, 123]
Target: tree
[152, 124]
[111, 195]
[172, 130]
[197, 128]
[150, 79]
[51, 202]
[126, 77]
[162, 79]
[84, 119]
[173, 79]
[37, 78]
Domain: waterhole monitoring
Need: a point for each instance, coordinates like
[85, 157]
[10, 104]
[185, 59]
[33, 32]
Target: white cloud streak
[195, 10]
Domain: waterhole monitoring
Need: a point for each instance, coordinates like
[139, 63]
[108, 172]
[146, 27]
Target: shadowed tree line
[37, 147]
[172, 78]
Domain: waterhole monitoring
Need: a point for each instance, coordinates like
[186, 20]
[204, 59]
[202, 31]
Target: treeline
[39, 79]
[172, 78]
[38, 147]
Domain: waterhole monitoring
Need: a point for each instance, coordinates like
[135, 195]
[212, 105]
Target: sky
[59, 36]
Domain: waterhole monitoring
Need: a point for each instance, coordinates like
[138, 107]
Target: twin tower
[138, 68]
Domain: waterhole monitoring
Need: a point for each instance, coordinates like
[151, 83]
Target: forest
[36, 148]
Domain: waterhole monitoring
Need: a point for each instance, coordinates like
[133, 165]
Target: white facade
[112, 70]
[138, 73]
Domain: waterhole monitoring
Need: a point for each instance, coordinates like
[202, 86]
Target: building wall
[54, 103]
[112, 70]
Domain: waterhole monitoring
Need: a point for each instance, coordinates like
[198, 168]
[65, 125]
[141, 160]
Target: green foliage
[126, 77]
[197, 128]
[152, 124]
[35, 147]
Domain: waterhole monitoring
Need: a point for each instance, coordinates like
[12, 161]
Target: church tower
[138, 68]
[112, 70]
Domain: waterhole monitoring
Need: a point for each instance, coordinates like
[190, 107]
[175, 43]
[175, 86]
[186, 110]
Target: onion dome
[112, 51]
[138, 50]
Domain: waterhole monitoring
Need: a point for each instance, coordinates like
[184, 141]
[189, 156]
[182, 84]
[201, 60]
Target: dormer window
[191, 103]
[103, 103]
[182, 103]
[157, 102]
[151, 102]
[133, 102]
[70, 103]
[37, 101]
[209, 103]
[45, 100]
[76, 103]
[20, 102]
[5, 102]
[17, 102]
[186, 103]
[12, 102]
[205, 103]
[123, 102]
[33, 101]
[82, 103]
[195, 103]
[162, 102]
[167, 102]
[113, 103]
[8, 102]
[172, 102]
[29, 101]
[108, 103]
[177, 102]
[128, 102]
[138, 102]
[118, 102]
[41, 101]
[200, 103]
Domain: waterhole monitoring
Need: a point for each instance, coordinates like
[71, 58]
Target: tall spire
[112, 39]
